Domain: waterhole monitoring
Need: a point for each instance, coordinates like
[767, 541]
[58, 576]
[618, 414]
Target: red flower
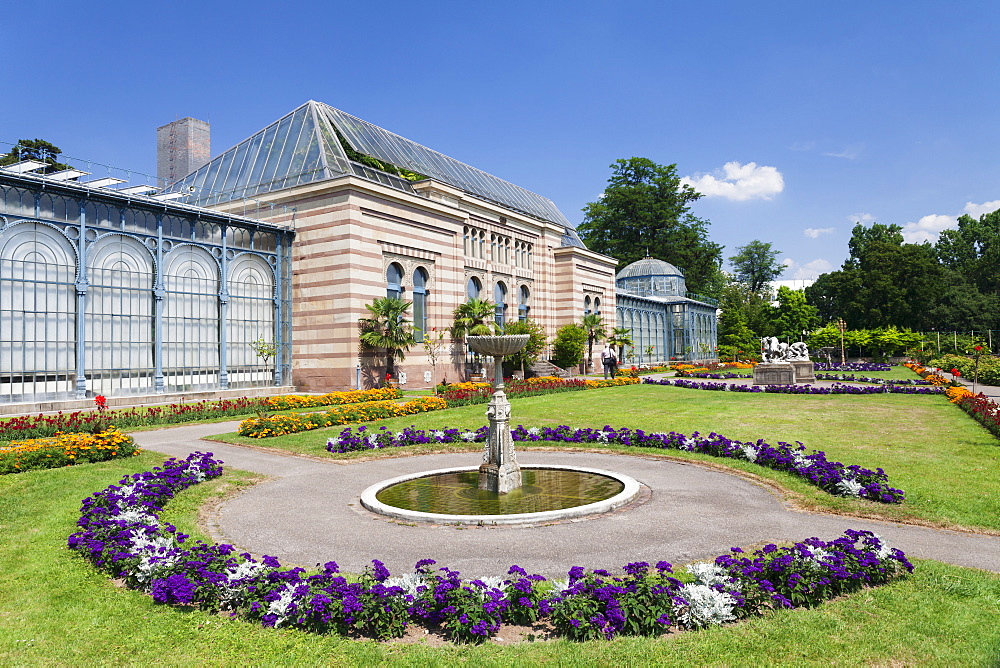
[101, 401]
[955, 372]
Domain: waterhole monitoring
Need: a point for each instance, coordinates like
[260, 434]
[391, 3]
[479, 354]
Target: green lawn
[55, 609]
[948, 465]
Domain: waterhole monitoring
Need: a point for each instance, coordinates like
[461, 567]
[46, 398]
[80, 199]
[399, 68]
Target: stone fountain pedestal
[499, 472]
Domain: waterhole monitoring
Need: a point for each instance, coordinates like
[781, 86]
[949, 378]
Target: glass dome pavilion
[666, 322]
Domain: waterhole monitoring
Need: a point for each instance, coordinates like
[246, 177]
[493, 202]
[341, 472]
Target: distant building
[181, 147]
[667, 322]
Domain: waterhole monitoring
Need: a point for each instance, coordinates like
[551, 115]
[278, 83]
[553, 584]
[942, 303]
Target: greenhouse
[666, 322]
[112, 292]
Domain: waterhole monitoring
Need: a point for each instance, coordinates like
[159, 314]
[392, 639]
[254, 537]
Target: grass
[55, 609]
[948, 465]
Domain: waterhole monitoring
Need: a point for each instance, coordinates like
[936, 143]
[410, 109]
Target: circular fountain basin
[452, 496]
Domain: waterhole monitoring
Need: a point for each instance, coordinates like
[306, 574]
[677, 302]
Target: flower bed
[983, 410]
[932, 377]
[120, 533]
[38, 426]
[464, 394]
[794, 389]
[852, 366]
[278, 425]
[66, 450]
[832, 477]
[869, 379]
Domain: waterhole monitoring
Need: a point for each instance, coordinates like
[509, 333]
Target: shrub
[569, 346]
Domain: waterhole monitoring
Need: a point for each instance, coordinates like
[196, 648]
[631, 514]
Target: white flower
[602, 437]
[534, 431]
[849, 487]
[690, 443]
[408, 582]
[800, 459]
[468, 435]
[282, 605]
[438, 435]
[749, 452]
[705, 607]
[708, 574]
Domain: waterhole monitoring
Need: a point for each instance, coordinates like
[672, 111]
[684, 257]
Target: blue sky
[795, 119]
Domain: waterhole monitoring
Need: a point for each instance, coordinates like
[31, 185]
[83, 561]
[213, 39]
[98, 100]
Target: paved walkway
[309, 513]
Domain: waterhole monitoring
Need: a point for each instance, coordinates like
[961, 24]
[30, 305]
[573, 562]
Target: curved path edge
[309, 512]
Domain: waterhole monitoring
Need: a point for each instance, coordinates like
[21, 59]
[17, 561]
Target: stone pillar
[499, 472]
[774, 373]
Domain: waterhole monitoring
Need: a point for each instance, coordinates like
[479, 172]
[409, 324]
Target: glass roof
[303, 147]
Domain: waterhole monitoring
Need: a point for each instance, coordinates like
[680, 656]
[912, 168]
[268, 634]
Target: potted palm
[474, 318]
[387, 329]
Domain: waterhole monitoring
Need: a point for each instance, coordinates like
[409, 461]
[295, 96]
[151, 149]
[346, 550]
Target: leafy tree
[756, 265]
[387, 329]
[528, 355]
[568, 347]
[646, 207]
[620, 337]
[973, 250]
[593, 324]
[35, 149]
[793, 314]
[265, 349]
[474, 317]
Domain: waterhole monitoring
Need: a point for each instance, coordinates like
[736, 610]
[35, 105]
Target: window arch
[500, 299]
[250, 317]
[394, 281]
[522, 303]
[38, 312]
[119, 322]
[191, 318]
[586, 305]
[473, 288]
[419, 304]
[597, 305]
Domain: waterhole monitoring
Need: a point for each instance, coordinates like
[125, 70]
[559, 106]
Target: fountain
[499, 471]
[498, 492]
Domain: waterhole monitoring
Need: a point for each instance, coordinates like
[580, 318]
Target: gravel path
[309, 513]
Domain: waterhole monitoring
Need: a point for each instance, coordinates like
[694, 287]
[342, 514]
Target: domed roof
[649, 266]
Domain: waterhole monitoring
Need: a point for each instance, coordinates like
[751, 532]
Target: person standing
[609, 361]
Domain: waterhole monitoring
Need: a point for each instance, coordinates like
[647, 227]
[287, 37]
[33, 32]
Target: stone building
[377, 214]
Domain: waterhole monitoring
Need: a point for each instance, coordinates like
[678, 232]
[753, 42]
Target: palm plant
[474, 317]
[387, 329]
[620, 337]
[593, 324]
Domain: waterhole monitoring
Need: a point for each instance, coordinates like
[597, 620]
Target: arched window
[522, 303]
[500, 299]
[119, 316]
[250, 318]
[419, 303]
[37, 313]
[597, 305]
[586, 305]
[394, 281]
[473, 288]
[191, 319]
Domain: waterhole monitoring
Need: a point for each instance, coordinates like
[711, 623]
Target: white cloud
[860, 218]
[848, 153]
[815, 232]
[928, 228]
[738, 182]
[977, 210]
[804, 272]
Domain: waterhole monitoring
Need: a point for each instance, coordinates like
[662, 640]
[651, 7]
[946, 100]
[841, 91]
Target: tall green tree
[568, 346]
[756, 265]
[35, 149]
[973, 250]
[387, 329]
[793, 315]
[645, 210]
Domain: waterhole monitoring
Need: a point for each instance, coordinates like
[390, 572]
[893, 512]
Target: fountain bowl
[497, 346]
[630, 491]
